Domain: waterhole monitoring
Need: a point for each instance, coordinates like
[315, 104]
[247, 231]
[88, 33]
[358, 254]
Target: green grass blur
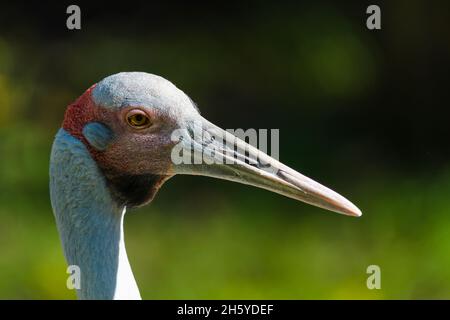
[320, 77]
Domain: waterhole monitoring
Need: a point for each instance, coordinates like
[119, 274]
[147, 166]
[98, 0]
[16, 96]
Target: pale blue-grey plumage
[89, 221]
[141, 89]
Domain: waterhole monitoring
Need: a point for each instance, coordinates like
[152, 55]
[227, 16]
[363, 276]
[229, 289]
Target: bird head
[141, 130]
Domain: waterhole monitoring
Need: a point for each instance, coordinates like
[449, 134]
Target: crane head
[141, 130]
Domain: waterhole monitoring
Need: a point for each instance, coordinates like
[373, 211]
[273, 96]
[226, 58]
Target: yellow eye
[138, 119]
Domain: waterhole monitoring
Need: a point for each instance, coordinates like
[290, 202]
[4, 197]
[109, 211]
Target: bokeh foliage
[363, 112]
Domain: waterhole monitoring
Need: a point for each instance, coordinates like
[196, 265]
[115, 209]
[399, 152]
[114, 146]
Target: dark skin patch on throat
[134, 190]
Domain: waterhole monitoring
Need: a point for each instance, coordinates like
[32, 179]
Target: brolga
[114, 151]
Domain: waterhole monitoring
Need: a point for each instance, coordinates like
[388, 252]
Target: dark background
[362, 111]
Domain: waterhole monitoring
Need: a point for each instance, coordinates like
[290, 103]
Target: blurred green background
[364, 112]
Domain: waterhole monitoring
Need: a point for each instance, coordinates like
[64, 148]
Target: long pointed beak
[207, 150]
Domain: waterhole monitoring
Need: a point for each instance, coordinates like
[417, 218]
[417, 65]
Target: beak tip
[357, 213]
[346, 207]
[353, 211]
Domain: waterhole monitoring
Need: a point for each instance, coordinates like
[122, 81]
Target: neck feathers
[90, 223]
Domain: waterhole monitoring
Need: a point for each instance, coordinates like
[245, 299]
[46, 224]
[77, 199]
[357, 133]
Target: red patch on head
[79, 113]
